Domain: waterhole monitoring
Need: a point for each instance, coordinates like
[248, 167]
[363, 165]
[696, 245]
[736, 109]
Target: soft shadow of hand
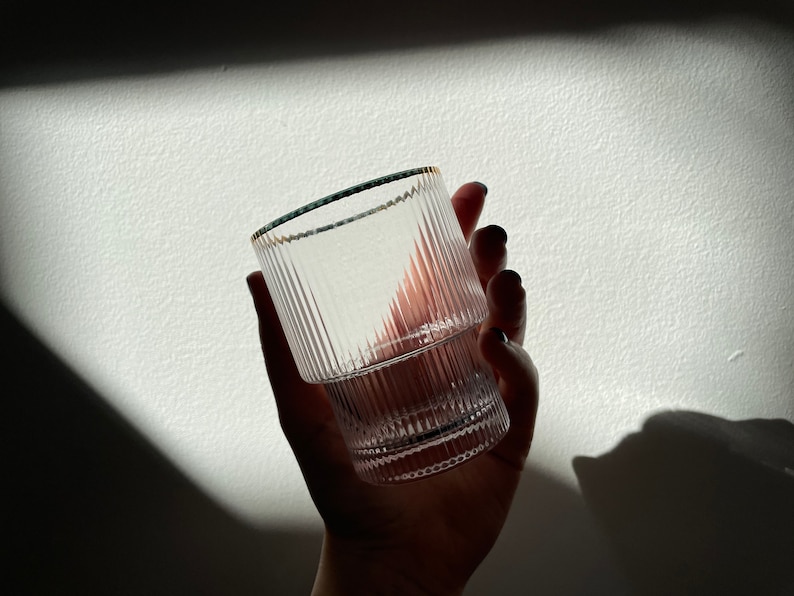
[699, 505]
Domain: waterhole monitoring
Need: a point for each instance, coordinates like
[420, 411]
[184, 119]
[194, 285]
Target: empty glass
[380, 302]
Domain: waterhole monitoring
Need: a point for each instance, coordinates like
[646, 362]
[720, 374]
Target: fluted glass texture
[380, 301]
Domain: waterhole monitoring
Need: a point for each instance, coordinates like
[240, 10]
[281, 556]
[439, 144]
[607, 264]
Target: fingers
[506, 296]
[468, 202]
[489, 252]
[507, 308]
[518, 385]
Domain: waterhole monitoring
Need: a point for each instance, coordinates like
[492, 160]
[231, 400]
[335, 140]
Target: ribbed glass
[379, 300]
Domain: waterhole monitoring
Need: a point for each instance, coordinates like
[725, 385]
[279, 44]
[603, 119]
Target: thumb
[518, 385]
[304, 411]
[303, 408]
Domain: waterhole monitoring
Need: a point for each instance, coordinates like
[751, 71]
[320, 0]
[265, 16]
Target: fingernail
[500, 334]
[484, 188]
[514, 274]
[501, 231]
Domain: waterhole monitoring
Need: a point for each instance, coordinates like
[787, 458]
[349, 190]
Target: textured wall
[644, 176]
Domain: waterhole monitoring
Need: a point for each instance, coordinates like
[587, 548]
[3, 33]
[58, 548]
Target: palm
[463, 510]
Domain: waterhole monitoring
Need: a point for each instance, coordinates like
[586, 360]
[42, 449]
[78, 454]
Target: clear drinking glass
[380, 302]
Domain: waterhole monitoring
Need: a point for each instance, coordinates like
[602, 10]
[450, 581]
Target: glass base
[421, 415]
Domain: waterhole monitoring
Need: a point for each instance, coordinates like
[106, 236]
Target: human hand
[425, 537]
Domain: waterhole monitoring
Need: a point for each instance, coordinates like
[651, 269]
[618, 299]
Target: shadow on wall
[694, 504]
[90, 507]
[75, 40]
[550, 546]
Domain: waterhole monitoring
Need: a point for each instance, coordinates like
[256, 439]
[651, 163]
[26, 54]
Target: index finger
[468, 202]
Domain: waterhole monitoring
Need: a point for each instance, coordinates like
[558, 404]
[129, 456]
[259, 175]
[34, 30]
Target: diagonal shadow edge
[91, 507]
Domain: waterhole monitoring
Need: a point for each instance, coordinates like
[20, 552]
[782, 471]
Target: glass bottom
[421, 415]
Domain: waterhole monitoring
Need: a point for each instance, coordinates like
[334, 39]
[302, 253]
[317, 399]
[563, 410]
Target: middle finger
[489, 252]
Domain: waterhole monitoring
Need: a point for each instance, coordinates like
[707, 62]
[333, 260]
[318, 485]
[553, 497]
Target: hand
[425, 537]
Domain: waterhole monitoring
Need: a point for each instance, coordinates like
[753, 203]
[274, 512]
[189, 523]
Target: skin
[425, 537]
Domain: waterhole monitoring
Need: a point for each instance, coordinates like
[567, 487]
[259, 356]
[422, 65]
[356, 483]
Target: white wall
[644, 176]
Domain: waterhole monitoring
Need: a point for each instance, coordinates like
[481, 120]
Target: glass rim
[375, 182]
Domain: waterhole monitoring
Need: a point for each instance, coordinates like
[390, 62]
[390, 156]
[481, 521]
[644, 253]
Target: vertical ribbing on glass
[410, 392]
[422, 415]
[438, 298]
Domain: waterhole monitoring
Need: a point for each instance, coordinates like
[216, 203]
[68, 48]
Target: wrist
[353, 570]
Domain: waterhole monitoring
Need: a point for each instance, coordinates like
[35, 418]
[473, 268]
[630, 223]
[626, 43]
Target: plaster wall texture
[644, 176]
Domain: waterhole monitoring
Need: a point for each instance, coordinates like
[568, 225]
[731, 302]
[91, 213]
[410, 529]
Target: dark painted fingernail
[501, 231]
[500, 334]
[484, 188]
[513, 274]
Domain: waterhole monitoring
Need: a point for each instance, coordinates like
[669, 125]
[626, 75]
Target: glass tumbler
[380, 302]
